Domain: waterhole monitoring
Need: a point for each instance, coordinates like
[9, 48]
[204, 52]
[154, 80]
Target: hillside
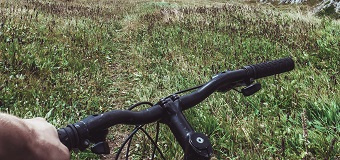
[66, 59]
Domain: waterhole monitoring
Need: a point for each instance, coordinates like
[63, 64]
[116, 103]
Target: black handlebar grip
[68, 136]
[270, 68]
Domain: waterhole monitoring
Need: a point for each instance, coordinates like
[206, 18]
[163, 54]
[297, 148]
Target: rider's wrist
[29, 141]
[34, 145]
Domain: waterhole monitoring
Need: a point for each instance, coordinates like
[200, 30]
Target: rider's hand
[46, 143]
[34, 139]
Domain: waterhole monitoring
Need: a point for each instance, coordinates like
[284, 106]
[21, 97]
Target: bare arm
[29, 139]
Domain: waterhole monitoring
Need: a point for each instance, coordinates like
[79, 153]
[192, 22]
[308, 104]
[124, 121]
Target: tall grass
[64, 60]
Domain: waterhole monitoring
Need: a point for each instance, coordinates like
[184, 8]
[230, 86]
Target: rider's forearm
[15, 137]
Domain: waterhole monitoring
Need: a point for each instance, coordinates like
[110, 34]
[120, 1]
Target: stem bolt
[200, 140]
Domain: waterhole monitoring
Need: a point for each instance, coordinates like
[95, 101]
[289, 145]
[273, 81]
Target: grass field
[65, 59]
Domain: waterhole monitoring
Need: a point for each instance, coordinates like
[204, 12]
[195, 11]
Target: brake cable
[186, 90]
[137, 128]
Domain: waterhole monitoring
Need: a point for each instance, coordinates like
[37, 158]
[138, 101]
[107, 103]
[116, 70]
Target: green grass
[65, 63]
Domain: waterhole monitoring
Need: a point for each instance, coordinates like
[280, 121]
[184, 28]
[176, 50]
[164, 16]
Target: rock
[330, 8]
[292, 1]
[171, 14]
[284, 1]
[328, 5]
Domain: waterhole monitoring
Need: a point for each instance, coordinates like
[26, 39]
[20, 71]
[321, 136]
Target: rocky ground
[329, 8]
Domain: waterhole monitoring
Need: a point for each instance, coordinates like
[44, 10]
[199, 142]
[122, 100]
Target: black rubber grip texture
[68, 136]
[271, 67]
[64, 138]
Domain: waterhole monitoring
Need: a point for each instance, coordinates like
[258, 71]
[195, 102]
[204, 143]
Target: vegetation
[66, 59]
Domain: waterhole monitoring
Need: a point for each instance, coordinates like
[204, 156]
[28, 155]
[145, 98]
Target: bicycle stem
[195, 145]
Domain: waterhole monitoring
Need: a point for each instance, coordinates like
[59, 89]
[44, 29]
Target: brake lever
[101, 148]
[100, 144]
[251, 89]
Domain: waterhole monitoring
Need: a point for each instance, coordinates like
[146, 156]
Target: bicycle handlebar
[226, 78]
[97, 123]
[94, 128]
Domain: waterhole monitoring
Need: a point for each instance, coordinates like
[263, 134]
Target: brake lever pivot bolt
[86, 143]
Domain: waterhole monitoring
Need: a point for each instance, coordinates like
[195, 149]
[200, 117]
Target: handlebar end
[270, 68]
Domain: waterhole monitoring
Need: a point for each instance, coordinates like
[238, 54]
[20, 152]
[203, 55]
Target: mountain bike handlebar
[94, 129]
[229, 78]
